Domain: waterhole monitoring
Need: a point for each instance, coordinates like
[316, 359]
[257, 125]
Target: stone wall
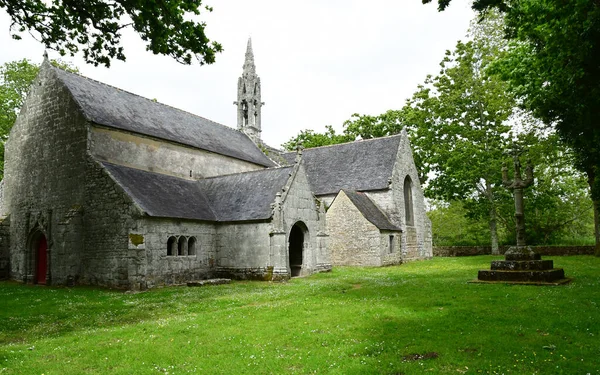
[160, 156]
[353, 240]
[194, 259]
[417, 238]
[410, 242]
[260, 250]
[405, 166]
[125, 249]
[457, 251]
[243, 250]
[299, 205]
[43, 192]
[110, 216]
[391, 248]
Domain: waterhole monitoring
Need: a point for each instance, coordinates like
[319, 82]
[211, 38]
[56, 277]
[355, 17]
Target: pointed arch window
[408, 202]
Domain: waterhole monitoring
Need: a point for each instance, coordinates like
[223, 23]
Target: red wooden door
[42, 261]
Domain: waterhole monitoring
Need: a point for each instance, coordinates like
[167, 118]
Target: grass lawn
[417, 318]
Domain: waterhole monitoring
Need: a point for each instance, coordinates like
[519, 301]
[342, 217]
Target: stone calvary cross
[517, 185]
[521, 265]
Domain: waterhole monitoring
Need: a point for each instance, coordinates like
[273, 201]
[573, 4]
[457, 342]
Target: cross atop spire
[249, 67]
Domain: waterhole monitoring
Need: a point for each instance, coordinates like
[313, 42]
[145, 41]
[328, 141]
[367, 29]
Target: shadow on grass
[431, 320]
[350, 321]
[32, 312]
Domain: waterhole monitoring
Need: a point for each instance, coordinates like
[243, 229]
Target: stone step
[522, 265]
[209, 282]
[522, 276]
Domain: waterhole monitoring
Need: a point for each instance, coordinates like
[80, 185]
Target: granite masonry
[104, 187]
[375, 240]
[375, 182]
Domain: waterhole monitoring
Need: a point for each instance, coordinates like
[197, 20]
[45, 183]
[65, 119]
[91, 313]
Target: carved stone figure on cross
[517, 185]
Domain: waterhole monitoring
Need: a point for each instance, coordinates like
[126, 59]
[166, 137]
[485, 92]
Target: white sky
[319, 61]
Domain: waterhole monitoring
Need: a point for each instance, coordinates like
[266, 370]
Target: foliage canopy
[460, 123]
[553, 70]
[95, 26]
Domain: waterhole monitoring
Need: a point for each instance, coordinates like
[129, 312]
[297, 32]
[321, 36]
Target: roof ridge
[246, 172]
[145, 98]
[349, 143]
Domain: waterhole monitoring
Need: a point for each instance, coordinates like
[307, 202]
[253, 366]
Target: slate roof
[370, 211]
[245, 196]
[161, 195]
[109, 106]
[361, 165]
[239, 197]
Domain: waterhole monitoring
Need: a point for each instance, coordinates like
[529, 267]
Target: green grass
[350, 321]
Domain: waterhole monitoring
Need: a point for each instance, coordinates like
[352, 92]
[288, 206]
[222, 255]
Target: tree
[461, 116]
[94, 27]
[366, 126]
[310, 138]
[453, 227]
[15, 79]
[461, 121]
[557, 205]
[554, 72]
[478, 5]
[557, 210]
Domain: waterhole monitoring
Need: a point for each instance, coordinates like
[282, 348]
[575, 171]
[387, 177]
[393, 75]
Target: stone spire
[249, 102]
[249, 67]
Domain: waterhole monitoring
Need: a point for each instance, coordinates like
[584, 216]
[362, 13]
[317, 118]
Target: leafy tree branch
[94, 27]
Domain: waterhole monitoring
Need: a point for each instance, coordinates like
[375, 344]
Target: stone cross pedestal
[521, 264]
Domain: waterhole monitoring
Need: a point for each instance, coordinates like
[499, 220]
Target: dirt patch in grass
[418, 357]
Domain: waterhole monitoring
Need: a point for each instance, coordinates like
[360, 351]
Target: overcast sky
[319, 61]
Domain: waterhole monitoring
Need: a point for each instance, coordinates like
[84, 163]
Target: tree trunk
[494, 231]
[493, 218]
[597, 225]
[596, 204]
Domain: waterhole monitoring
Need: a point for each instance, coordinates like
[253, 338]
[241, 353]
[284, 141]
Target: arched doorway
[39, 245]
[296, 248]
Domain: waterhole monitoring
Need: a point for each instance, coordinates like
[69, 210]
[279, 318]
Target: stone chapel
[105, 187]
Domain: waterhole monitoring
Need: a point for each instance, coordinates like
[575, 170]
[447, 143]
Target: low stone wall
[459, 251]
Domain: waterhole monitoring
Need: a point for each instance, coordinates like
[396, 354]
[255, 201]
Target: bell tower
[248, 99]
